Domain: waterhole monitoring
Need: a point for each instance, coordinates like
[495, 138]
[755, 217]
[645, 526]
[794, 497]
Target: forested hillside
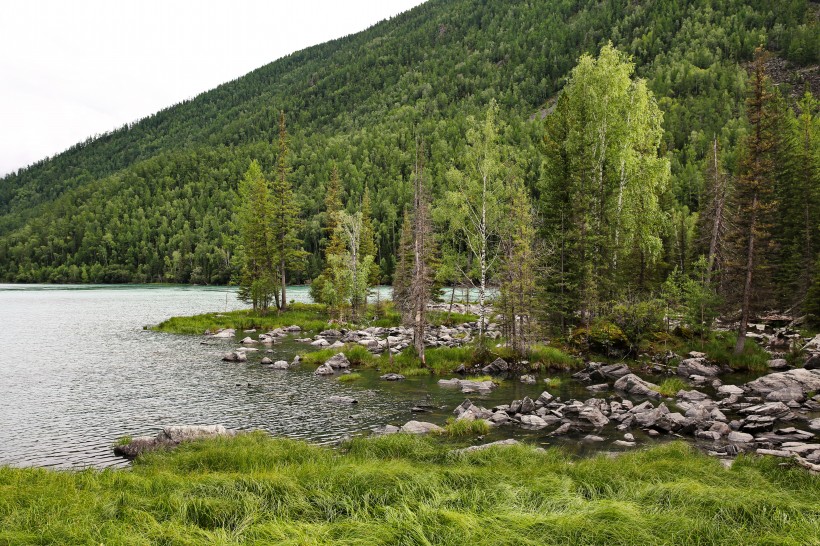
[155, 201]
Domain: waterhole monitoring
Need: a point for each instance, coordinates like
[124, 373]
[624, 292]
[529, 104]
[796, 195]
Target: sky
[74, 69]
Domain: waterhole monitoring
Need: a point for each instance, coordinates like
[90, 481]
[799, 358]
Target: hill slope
[153, 201]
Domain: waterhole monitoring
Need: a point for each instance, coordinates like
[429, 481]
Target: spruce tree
[288, 253]
[754, 195]
[258, 279]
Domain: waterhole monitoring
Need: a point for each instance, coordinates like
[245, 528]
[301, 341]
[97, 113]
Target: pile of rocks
[378, 340]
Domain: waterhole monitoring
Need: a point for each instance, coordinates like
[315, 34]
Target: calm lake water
[78, 371]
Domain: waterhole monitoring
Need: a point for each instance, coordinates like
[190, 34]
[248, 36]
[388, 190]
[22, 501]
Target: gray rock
[482, 447]
[236, 356]
[392, 377]
[248, 341]
[636, 386]
[614, 371]
[814, 424]
[169, 437]
[420, 427]
[813, 362]
[225, 334]
[324, 369]
[330, 333]
[528, 379]
[533, 421]
[777, 364]
[592, 438]
[801, 378]
[321, 342]
[338, 361]
[598, 388]
[728, 390]
[266, 360]
[280, 365]
[623, 443]
[696, 366]
[740, 437]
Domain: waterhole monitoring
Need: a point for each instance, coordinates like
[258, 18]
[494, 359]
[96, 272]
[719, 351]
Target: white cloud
[69, 70]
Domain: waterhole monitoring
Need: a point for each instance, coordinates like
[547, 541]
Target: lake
[78, 371]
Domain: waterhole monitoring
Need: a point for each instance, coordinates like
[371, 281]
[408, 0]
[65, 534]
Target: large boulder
[585, 417]
[632, 384]
[420, 427]
[338, 361]
[168, 437]
[697, 366]
[787, 383]
[324, 369]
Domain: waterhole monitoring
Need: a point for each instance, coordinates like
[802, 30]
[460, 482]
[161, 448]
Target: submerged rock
[392, 377]
[235, 356]
[342, 400]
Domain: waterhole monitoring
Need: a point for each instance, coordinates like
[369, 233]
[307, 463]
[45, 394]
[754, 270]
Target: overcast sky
[72, 69]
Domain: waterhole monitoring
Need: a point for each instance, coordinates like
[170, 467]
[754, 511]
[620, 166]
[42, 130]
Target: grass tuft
[463, 427]
[349, 377]
[671, 386]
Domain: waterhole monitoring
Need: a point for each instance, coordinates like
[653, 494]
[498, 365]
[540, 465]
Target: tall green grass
[309, 317]
[403, 489]
[720, 348]
[671, 386]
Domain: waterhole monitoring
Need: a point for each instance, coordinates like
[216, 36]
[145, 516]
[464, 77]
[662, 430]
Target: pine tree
[713, 221]
[754, 193]
[288, 253]
[368, 243]
[258, 280]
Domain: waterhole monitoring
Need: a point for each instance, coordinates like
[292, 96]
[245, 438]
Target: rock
[338, 361]
[696, 366]
[728, 390]
[585, 417]
[527, 405]
[691, 396]
[813, 363]
[629, 437]
[225, 334]
[614, 371]
[342, 400]
[168, 437]
[321, 342]
[280, 365]
[777, 364]
[801, 378]
[740, 437]
[420, 427]
[545, 398]
[598, 388]
[266, 360]
[563, 429]
[330, 333]
[236, 356]
[392, 377]
[696, 354]
[386, 429]
[482, 447]
[774, 452]
[634, 385]
[788, 394]
[528, 379]
[774, 409]
[324, 369]
[623, 443]
[814, 424]
[648, 419]
[533, 421]
[293, 329]
[592, 438]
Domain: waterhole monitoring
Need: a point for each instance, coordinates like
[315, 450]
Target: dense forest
[157, 200]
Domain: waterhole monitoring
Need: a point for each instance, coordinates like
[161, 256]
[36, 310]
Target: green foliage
[637, 318]
[152, 201]
[601, 337]
[123, 440]
[553, 358]
[405, 489]
[464, 427]
[720, 349]
[356, 354]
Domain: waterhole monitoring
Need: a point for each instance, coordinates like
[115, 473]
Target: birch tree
[474, 208]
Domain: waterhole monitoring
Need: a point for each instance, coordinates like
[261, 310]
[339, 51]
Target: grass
[463, 427]
[123, 441]
[553, 382]
[720, 348]
[350, 377]
[310, 317]
[553, 358]
[356, 354]
[403, 489]
[671, 386]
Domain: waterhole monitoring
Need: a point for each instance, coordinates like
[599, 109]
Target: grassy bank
[410, 490]
[310, 317]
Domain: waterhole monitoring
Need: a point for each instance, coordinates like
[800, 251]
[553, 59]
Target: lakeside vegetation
[403, 489]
